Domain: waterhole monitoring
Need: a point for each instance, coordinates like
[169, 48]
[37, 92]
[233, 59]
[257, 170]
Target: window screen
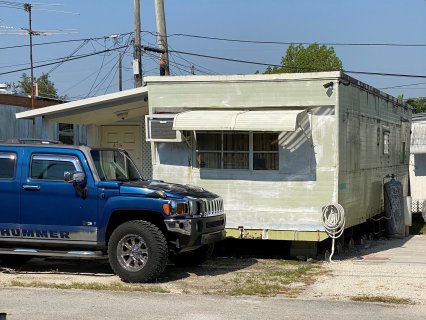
[233, 150]
[386, 143]
[265, 151]
[66, 133]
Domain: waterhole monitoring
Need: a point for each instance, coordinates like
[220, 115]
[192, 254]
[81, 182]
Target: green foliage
[46, 88]
[419, 104]
[313, 58]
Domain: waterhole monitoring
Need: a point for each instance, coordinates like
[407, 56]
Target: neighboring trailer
[279, 148]
[418, 163]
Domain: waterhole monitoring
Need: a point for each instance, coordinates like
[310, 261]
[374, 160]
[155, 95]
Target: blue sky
[331, 21]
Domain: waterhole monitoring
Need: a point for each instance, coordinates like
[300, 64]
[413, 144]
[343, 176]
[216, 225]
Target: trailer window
[66, 133]
[237, 150]
[223, 150]
[403, 153]
[386, 143]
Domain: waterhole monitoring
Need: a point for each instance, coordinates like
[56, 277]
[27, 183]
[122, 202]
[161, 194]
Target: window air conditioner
[159, 128]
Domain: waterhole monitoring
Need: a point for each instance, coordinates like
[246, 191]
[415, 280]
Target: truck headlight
[179, 208]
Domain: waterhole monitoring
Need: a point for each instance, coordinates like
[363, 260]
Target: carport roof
[128, 105]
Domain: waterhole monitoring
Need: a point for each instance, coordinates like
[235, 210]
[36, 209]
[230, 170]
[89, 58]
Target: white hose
[333, 219]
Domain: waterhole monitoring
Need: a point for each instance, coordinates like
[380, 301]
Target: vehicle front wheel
[194, 257]
[137, 251]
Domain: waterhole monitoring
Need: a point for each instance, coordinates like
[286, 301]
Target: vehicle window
[46, 167]
[7, 165]
[114, 165]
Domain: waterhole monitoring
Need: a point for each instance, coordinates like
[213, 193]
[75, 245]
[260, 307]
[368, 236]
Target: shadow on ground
[229, 256]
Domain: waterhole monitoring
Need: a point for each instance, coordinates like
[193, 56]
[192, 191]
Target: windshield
[114, 165]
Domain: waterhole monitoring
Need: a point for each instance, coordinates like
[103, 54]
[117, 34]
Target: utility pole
[137, 65]
[120, 72]
[162, 37]
[27, 8]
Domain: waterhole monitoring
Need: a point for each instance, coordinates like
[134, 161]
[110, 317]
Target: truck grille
[211, 207]
[215, 224]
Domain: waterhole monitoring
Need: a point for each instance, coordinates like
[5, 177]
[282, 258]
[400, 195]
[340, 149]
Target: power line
[87, 77]
[404, 85]
[41, 61]
[279, 66]
[294, 42]
[225, 59]
[69, 56]
[65, 60]
[386, 74]
[61, 41]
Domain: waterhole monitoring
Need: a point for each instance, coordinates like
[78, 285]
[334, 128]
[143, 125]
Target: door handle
[31, 188]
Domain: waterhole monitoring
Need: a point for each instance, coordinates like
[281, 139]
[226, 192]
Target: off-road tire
[13, 260]
[194, 257]
[137, 251]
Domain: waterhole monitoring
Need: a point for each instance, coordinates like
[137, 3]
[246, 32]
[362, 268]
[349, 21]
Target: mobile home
[279, 148]
[418, 163]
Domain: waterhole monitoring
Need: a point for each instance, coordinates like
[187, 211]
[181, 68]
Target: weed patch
[277, 278]
[89, 286]
[381, 299]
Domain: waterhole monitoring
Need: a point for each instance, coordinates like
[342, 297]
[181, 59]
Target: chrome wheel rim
[132, 253]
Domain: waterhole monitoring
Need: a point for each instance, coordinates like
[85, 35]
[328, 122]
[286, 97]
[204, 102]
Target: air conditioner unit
[159, 128]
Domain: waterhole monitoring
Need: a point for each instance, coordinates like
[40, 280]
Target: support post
[162, 37]
[137, 65]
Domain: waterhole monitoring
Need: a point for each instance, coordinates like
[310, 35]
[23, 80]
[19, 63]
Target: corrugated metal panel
[418, 138]
[269, 120]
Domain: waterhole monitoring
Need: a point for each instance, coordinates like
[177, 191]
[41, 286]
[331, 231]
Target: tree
[46, 88]
[313, 58]
[418, 104]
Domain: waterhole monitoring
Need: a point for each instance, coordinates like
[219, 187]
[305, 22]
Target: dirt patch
[391, 268]
[233, 276]
[389, 271]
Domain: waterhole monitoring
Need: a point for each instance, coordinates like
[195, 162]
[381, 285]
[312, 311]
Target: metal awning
[124, 106]
[238, 120]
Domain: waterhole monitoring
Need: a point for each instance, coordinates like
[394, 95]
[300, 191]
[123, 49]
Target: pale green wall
[231, 93]
[258, 200]
[362, 164]
[347, 164]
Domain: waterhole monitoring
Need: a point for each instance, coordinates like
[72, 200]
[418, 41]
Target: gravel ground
[389, 267]
[393, 268]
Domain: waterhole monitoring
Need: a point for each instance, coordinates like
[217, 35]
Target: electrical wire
[61, 41]
[65, 59]
[69, 56]
[404, 85]
[288, 43]
[333, 218]
[99, 71]
[87, 77]
[386, 74]
[276, 65]
[194, 64]
[113, 76]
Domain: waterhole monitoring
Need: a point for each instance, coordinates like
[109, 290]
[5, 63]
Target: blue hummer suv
[76, 201]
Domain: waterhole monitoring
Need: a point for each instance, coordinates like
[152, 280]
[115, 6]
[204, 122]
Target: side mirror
[76, 177]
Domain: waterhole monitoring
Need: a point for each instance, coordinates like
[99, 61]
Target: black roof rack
[32, 141]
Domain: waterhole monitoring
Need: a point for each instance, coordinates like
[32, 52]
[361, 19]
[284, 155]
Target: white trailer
[418, 163]
[279, 148]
